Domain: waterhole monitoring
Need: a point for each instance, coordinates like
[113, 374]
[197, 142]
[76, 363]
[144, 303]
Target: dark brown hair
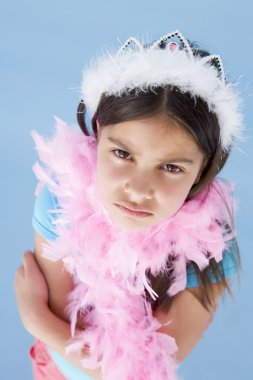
[192, 113]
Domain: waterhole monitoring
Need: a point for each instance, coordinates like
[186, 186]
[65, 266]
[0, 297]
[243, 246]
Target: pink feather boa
[109, 263]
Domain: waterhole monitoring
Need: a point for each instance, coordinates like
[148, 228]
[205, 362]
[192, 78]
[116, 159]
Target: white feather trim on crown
[146, 68]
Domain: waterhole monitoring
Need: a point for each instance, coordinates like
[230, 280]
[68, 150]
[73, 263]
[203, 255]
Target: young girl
[135, 238]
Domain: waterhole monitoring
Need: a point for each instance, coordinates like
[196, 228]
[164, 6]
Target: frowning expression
[145, 170]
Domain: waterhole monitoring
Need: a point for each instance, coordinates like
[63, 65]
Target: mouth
[136, 213]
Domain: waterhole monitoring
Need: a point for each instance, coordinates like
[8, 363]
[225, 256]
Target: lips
[133, 207]
[136, 212]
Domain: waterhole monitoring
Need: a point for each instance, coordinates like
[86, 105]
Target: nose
[139, 187]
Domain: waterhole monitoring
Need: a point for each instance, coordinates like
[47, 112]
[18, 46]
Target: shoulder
[58, 279]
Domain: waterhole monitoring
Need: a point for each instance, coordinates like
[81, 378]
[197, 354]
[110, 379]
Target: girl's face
[145, 170]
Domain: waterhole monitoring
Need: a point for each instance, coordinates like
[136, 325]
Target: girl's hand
[31, 289]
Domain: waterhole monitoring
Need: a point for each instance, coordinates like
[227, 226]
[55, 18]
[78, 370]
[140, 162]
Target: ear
[98, 128]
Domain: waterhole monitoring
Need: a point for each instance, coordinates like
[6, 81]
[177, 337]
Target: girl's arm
[59, 281]
[32, 297]
[189, 319]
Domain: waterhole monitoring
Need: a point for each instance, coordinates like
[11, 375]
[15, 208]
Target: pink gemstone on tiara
[173, 46]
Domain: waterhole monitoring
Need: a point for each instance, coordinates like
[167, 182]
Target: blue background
[44, 46]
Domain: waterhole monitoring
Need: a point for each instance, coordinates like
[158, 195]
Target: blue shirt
[42, 222]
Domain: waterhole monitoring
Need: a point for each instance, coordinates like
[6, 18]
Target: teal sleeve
[228, 262]
[43, 219]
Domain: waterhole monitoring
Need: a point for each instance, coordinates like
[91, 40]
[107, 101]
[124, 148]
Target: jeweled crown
[169, 60]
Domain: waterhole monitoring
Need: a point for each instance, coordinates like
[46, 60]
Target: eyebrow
[177, 159]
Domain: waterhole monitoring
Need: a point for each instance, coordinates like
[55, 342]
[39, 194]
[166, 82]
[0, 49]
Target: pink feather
[109, 264]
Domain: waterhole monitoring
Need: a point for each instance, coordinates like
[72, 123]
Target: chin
[132, 224]
[133, 227]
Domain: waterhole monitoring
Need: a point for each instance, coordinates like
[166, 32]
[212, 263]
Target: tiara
[169, 60]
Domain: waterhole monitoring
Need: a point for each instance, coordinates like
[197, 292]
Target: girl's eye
[172, 168]
[121, 153]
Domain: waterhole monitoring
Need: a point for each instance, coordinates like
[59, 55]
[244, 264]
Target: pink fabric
[42, 364]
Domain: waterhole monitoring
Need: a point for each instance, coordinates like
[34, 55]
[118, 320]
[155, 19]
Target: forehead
[155, 135]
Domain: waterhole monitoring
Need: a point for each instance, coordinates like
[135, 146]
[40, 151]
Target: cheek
[172, 195]
[108, 176]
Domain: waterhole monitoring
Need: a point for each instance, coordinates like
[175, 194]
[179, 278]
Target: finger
[21, 269]
[19, 274]
[28, 260]
[27, 252]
